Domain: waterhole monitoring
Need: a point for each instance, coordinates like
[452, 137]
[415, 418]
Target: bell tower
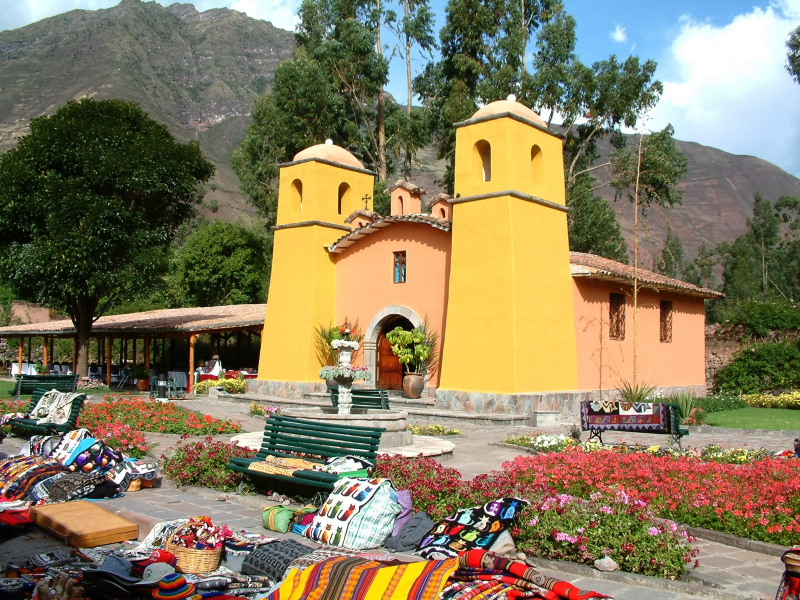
[317, 191]
[510, 319]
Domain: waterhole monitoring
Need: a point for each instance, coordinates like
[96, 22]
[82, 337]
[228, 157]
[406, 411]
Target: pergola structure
[180, 323]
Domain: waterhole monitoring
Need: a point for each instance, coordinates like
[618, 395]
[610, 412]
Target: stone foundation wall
[566, 404]
[284, 389]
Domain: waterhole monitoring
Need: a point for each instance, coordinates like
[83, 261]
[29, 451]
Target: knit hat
[173, 587]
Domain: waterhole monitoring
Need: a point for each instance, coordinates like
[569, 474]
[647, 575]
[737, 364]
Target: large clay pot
[143, 385]
[413, 384]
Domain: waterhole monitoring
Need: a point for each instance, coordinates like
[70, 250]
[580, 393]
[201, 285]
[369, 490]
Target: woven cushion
[358, 514]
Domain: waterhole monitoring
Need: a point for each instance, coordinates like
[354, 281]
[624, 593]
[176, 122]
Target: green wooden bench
[28, 427]
[365, 398]
[632, 417]
[27, 384]
[311, 440]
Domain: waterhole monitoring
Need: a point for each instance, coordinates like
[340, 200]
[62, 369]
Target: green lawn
[756, 418]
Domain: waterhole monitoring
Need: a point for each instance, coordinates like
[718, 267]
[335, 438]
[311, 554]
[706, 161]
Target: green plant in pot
[416, 349]
[142, 377]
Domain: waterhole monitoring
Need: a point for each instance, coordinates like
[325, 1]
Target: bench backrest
[290, 436]
[369, 397]
[644, 417]
[26, 384]
[32, 427]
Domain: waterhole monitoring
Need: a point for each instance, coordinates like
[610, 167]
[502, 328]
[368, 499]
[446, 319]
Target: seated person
[212, 367]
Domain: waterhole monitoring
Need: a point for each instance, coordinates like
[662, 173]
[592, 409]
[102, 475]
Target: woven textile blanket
[482, 575]
[352, 578]
[282, 465]
[627, 416]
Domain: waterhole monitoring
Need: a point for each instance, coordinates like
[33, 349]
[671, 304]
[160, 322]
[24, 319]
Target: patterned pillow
[358, 514]
[476, 527]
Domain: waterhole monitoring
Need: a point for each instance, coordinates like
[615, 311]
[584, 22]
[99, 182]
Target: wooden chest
[84, 524]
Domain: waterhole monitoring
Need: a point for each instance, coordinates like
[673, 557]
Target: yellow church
[524, 325]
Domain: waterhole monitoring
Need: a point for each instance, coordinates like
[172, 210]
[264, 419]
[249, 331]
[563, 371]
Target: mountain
[200, 73]
[197, 73]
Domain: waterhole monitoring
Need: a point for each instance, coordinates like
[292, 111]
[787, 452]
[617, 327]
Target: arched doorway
[390, 371]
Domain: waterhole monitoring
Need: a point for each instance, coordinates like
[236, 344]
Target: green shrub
[764, 367]
[640, 392]
[762, 318]
[719, 403]
[203, 464]
[685, 400]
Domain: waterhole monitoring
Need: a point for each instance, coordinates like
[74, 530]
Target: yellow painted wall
[302, 291]
[510, 322]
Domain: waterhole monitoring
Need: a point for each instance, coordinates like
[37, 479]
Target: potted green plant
[142, 377]
[416, 349]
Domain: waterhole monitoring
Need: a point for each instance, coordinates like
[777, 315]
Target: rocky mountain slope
[201, 72]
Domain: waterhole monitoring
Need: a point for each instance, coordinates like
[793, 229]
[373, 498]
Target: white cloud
[282, 13]
[727, 86]
[619, 34]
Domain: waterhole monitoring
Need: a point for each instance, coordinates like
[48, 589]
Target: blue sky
[721, 61]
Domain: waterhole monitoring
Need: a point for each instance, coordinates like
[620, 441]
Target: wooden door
[390, 371]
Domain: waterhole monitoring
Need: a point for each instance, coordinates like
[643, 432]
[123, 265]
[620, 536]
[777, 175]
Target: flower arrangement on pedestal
[345, 371]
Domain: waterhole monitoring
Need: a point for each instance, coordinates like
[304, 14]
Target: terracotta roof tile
[590, 265]
[164, 321]
[348, 240]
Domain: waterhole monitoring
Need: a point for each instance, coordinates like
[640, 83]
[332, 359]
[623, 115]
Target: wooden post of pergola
[21, 353]
[109, 350]
[46, 357]
[75, 354]
[147, 354]
[190, 378]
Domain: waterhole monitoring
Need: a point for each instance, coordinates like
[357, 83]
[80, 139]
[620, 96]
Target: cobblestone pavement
[729, 567]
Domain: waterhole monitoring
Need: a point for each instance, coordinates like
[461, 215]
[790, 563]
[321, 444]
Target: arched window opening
[537, 165]
[297, 194]
[442, 213]
[483, 159]
[344, 192]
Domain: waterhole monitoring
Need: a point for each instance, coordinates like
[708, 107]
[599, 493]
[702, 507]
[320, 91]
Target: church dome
[329, 151]
[509, 106]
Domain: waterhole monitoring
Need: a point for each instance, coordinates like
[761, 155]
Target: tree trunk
[382, 162]
[83, 319]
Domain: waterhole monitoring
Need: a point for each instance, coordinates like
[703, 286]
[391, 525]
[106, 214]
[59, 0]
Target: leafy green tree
[593, 225]
[304, 109]
[329, 89]
[224, 263]
[88, 200]
[793, 54]
[671, 260]
[651, 172]
[414, 31]
[482, 60]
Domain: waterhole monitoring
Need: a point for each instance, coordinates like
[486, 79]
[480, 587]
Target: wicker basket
[135, 485]
[792, 560]
[194, 561]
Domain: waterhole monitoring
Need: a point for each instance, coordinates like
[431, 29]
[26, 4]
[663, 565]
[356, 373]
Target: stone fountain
[395, 422]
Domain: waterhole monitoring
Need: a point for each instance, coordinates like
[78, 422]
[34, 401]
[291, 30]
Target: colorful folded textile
[282, 465]
[476, 527]
[482, 575]
[19, 474]
[351, 578]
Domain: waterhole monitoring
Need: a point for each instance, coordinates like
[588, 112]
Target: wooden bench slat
[290, 436]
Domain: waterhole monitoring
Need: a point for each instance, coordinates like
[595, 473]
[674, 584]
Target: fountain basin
[395, 422]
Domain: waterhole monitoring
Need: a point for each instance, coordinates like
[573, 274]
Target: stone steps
[423, 410]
